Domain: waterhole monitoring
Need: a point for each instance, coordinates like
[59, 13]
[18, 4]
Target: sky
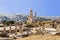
[42, 7]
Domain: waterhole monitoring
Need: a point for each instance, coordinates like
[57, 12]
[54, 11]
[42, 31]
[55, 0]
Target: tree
[10, 22]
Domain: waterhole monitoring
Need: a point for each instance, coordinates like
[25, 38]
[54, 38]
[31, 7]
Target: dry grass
[40, 37]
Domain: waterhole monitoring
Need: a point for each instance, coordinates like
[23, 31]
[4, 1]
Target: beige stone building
[30, 18]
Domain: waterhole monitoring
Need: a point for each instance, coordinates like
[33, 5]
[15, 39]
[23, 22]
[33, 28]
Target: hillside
[40, 37]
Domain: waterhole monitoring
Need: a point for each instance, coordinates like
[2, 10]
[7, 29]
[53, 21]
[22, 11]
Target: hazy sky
[42, 7]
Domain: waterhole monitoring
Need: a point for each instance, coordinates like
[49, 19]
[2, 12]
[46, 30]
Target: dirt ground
[40, 37]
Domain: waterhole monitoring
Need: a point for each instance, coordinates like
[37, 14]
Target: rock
[25, 35]
[4, 34]
[58, 34]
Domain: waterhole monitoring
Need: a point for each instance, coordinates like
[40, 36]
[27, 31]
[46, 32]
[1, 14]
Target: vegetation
[8, 22]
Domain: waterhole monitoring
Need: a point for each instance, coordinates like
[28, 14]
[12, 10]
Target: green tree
[10, 22]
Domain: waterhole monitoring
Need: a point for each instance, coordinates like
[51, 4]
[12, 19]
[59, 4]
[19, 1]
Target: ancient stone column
[4, 27]
[20, 30]
[43, 28]
[27, 29]
[10, 29]
[15, 28]
[55, 25]
[58, 28]
[39, 28]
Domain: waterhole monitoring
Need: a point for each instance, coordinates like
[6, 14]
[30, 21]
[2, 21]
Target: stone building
[30, 18]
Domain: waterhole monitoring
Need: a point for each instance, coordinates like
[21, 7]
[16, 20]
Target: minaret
[35, 14]
[30, 16]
